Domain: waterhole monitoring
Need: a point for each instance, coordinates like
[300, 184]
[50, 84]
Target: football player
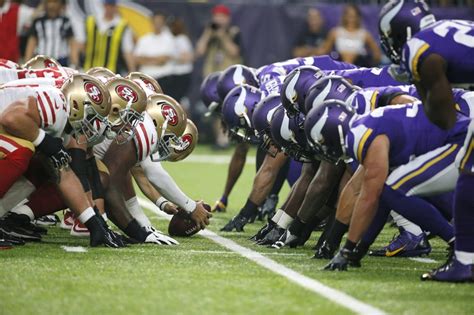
[433, 55]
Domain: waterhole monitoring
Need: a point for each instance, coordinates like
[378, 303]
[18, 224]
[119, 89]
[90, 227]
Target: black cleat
[15, 225]
[47, 220]
[4, 244]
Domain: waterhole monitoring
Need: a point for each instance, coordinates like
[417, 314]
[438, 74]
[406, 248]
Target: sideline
[310, 284]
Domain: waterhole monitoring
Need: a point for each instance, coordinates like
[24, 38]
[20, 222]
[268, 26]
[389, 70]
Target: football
[181, 224]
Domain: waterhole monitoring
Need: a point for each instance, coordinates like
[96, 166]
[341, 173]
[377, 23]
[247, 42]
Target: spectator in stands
[155, 51]
[352, 41]
[108, 41]
[313, 36]
[220, 45]
[51, 34]
[14, 18]
[183, 58]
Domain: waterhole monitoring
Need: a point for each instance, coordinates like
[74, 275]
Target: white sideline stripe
[423, 260]
[234, 253]
[74, 249]
[310, 284]
[213, 159]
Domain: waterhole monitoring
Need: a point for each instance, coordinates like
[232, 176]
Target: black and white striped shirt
[52, 36]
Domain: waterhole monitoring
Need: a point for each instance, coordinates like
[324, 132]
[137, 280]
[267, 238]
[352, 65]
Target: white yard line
[310, 284]
[423, 260]
[235, 253]
[74, 249]
[213, 159]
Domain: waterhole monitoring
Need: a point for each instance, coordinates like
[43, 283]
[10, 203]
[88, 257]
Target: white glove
[398, 74]
[159, 238]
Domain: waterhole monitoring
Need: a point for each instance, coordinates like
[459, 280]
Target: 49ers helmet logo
[49, 64]
[187, 140]
[170, 114]
[126, 93]
[149, 84]
[94, 92]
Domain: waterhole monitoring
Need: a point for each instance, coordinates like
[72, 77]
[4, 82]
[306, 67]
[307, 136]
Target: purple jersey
[276, 69]
[367, 77]
[366, 100]
[272, 86]
[451, 39]
[409, 130]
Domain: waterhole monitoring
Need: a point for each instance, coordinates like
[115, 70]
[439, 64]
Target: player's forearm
[71, 190]
[265, 178]
[236, 166]
[363, 214]
[297, 195]
[144, 184]
[440, 104]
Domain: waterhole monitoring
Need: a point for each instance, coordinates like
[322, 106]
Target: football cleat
[79, 229]
[238, 222]
[219, 206]
[287, 239]
[68, 220]
[453, 271]
[272, 236]
[326, 251]
[263, 231]
[47, 220]
[19, 226]
[405, 244]
[4, 244]
[268, 208]
[12, 239]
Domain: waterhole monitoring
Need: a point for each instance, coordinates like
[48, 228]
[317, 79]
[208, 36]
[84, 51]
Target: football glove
[272, 236]
[159, 238]
[396, 72]
[263, 231]
[287, 239]
[238, 222]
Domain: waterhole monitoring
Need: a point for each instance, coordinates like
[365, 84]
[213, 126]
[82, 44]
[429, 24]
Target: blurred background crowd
[180, 42]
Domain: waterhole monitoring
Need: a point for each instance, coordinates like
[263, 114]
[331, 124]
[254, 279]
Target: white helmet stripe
[387, 18]
[285, 131]
[318, 127]
[290, 92]
[239, 107]
[237, 77]
[322, 96]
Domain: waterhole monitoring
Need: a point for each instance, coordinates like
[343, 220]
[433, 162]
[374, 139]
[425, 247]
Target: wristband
[161, 203]
[189, 206]
[40, 138]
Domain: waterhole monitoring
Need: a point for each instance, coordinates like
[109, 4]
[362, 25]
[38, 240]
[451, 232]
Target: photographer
[219, 44]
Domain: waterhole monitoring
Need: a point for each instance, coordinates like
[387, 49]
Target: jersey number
[460, 36]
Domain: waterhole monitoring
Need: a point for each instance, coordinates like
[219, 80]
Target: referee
[51, 35]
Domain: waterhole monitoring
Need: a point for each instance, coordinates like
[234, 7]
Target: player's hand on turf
[237, 223]
[170, 208]
[159, 238]
[339, 262]
[200, 215]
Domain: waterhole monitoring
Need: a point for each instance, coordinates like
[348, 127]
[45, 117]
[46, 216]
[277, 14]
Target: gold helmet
[170, 122]
[89, 103]
[189, 139]
[41, 62]
[129, 101]
[101, 73]
[145, 81]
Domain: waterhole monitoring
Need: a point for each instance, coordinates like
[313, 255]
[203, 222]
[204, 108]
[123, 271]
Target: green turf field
[202, 277]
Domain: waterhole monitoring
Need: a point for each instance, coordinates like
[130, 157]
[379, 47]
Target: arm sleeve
[166, 185]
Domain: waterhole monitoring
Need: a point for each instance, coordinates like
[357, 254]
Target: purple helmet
[233, 76]
[329, 87]
[398, 21]
[237, 110]
[296, 86]
[326, 127]
[209, 94]
[261, 119]
[287, 134]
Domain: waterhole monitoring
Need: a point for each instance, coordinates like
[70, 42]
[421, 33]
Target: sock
[337, 232]
[137, 212]
[135, 231]
[401, 222]
[420, 212]
[25, 210]
[250, 209]
[12, 166]
[86, 215]
[296, 227]
[277, 216]
[285, 221]
[464, 213]
[224, 200]
[465, 258]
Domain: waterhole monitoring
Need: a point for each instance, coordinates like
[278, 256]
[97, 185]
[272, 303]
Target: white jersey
[145, 140]
[4, 63]
[52, 106]
[8, 75]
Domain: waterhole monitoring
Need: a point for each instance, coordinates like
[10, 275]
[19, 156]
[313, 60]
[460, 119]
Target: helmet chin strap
[408, 33]
[342, 141]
